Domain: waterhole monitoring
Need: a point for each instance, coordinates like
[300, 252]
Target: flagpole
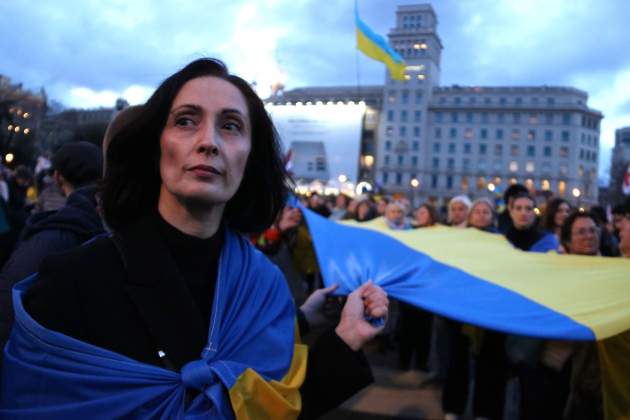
[356, 52]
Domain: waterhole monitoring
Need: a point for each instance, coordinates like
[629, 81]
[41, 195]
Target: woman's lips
[205, 170]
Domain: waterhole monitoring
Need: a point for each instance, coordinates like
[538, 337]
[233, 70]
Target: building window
[438, 133]
[417, 115]
[418, 97]
[483, 149]
[547, 151]
[403, 116]
[385, 176]
[414, 161]
[416, 131]
[449, 182]
[398, 178]
[468, 133]
[500, 134]
[403, 131]
[467, 148]
[472, 100]
[531, 135]
[436, 163]
[466, 164]
[415, 146]
[451, 148]
[487, 101]
[502, 101]
[388, 145]
[405, 96]
[594, 156]
[484, 117]
[549, 118]
[389, 131]
[401, 160]
[548, 135]
[564, 152]
[390, 115]
[566, 118]
[531, 151]
[453, 133]
[514, 166]
[498, 150]
[464, 184]
[436, 147]
[551, 101]
[514, 150]
[454, 117]
[582, 154]
[562, 187]
[565, 135]
[519, 101]
[516, 118]
[458, 100]
[434, 181]
[391, 97]
[450, 163]
[533, 118]
[501, 117]
[484, 133]
[516, 134]
[438, 117]
[469, 117]
[386, 160]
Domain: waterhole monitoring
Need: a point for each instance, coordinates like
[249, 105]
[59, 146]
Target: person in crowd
[624, 231]
[77, 168]
[482, 215]
[617, 217]
[556, 212]
[425, 216]
[458, 208]
[365, 210]
[18, 207]
[339, 210]
[580, 234]
[396, 216]
[504, 219]
[51, 197]
[318, 205]
[608, 243]
[524, 233]
[198, 165]
[381, 205]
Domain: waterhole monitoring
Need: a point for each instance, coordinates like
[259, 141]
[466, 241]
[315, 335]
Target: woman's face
[205, 143]
[480, 216]
[561, 214]
[362, 210]
[459, 211]
[394, 214]
[522, 213]
[423, 217]
[584, 237]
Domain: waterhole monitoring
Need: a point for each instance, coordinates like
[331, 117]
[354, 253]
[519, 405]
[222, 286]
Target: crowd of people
[132, 251]
[555, 379]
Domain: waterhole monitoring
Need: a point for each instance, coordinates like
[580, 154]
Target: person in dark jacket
[77, 166]
[504, 219]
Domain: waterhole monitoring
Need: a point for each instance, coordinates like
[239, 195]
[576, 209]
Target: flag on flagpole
[377, 48]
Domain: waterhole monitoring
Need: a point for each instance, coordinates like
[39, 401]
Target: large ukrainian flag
[376, 47]
[480, 279]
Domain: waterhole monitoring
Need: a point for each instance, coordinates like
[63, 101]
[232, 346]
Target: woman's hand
[368, 301]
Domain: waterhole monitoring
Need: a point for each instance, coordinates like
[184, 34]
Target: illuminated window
[513, 181]
[516, 134]
[529, 166]
[514, 166]
[563, 170]
[468, 133]
[529, 183]
[481, 183]
[533, 118]
[581, 171]
[545, 184]
[391, 98]
[562, 186]
[564, 152]
[514, 151]
[531, 135]
[464, 184]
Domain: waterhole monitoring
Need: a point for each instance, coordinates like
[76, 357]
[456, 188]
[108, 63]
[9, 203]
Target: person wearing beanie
[458, 209]
[77, 167]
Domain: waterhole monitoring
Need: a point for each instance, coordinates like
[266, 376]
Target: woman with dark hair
[555, 214]
[175, 314]
[426, 215]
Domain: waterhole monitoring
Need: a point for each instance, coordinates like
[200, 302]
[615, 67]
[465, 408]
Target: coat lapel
[160, 295]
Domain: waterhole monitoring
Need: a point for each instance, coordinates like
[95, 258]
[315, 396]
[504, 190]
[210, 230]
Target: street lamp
[415, 184]
[342, 178]
[576, 193]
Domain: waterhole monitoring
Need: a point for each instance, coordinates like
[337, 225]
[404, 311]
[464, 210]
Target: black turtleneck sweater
[197, 261]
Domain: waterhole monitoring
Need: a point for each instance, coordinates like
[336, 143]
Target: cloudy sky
[86, 53]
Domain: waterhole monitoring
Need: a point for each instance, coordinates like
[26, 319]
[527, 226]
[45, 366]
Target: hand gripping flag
[377, 48]
[250, 369]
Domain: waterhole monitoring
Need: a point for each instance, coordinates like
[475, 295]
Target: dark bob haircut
[131, 184]
[548, 220]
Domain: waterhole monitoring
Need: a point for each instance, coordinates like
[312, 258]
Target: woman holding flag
[174, 315]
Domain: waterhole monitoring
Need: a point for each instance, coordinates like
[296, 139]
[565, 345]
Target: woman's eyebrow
[190, 107]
